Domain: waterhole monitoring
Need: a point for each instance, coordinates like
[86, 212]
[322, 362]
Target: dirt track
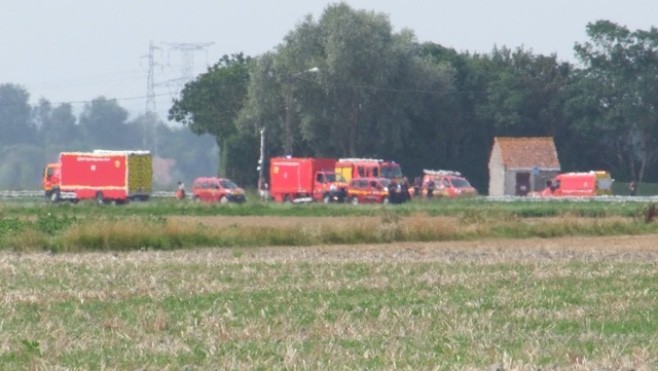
[640, 249]
[619, 248]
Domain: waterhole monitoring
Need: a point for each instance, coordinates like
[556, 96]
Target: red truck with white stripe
[306, 179]
[106, 176]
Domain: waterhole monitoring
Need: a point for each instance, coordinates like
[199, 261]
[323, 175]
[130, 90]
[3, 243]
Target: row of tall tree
[346, 85]
[31, 136]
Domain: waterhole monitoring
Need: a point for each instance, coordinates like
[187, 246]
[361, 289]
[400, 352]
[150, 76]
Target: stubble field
[566, 302]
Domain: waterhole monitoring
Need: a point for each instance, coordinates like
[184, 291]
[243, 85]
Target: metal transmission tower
[150, 80]
[187, 57]
[150, 99]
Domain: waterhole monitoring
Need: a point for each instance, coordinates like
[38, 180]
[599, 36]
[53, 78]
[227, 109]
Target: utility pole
[261, 162]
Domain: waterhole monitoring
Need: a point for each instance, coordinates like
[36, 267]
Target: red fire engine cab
[354, 168]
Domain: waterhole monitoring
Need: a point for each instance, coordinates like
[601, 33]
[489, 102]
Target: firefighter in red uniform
[180, 191]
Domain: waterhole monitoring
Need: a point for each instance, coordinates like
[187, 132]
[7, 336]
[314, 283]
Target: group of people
[398, 192]
[429, 187]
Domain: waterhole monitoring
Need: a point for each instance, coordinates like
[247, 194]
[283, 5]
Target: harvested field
[574, 303]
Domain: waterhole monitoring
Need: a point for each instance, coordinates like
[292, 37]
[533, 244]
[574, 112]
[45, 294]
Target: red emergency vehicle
[305, 180]
[368, 190]
[580, 184]
[354, 168]
[445, 183]
[212, 189]
[107, 176]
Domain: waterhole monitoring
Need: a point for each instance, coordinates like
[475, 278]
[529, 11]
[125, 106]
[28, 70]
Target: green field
[31, 225]
[512, 304]
[446, 285]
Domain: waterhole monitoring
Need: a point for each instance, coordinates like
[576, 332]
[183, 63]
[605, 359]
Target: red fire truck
[354, 168]
[107, 176]
[305, 180]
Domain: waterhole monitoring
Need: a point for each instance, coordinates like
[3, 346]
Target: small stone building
[518, 166]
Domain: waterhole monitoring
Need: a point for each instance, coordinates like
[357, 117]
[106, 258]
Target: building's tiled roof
[526, 153]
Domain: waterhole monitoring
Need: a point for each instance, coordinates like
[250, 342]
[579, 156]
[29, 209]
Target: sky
[77, 50]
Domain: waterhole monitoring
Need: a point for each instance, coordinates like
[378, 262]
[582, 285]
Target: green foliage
[622, 77]
[20, 166]
[10, 226]
[212, 102]
[377, 93]
[104, 124]
[51, 224]
[31, 346]
[15, 124]
[161, 226]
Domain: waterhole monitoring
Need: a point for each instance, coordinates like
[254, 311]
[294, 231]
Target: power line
[187, 56]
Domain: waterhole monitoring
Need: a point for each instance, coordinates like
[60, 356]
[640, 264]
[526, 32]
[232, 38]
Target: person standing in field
[632, 188]
[180, 191]
[430, 189]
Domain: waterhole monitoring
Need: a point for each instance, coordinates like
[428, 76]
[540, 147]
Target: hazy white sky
[77, 50]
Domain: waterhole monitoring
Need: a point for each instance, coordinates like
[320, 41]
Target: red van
[210, 189]
[446, 183]
[583, 184]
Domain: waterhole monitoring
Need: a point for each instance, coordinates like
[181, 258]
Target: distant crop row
[166, 225]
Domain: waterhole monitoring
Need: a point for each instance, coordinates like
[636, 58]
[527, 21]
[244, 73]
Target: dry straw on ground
[402, 305]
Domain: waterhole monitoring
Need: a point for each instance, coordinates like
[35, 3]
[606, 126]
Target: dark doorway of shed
[522, 184]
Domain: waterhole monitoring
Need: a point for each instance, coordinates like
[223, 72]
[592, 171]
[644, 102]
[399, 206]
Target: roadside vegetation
[167, 225]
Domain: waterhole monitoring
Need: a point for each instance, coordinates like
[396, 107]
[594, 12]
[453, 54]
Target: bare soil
[642, 248]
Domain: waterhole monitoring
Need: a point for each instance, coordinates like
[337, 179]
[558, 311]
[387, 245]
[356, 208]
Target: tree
[449, 132]
[622, 66]
[211, 103]
[147, 135]
[359, 102]
[16, 125]
[57, 125]
[103, 123]
[21, 166]
[524, 95]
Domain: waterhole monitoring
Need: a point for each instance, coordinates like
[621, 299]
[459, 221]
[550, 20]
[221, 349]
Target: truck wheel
[100, 198]
[287, 199]
[223, 200]
[355, 200]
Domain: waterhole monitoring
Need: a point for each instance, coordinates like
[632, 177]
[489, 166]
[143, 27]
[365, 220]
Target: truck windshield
[460, 183]
[391, 171]
[333, 177]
